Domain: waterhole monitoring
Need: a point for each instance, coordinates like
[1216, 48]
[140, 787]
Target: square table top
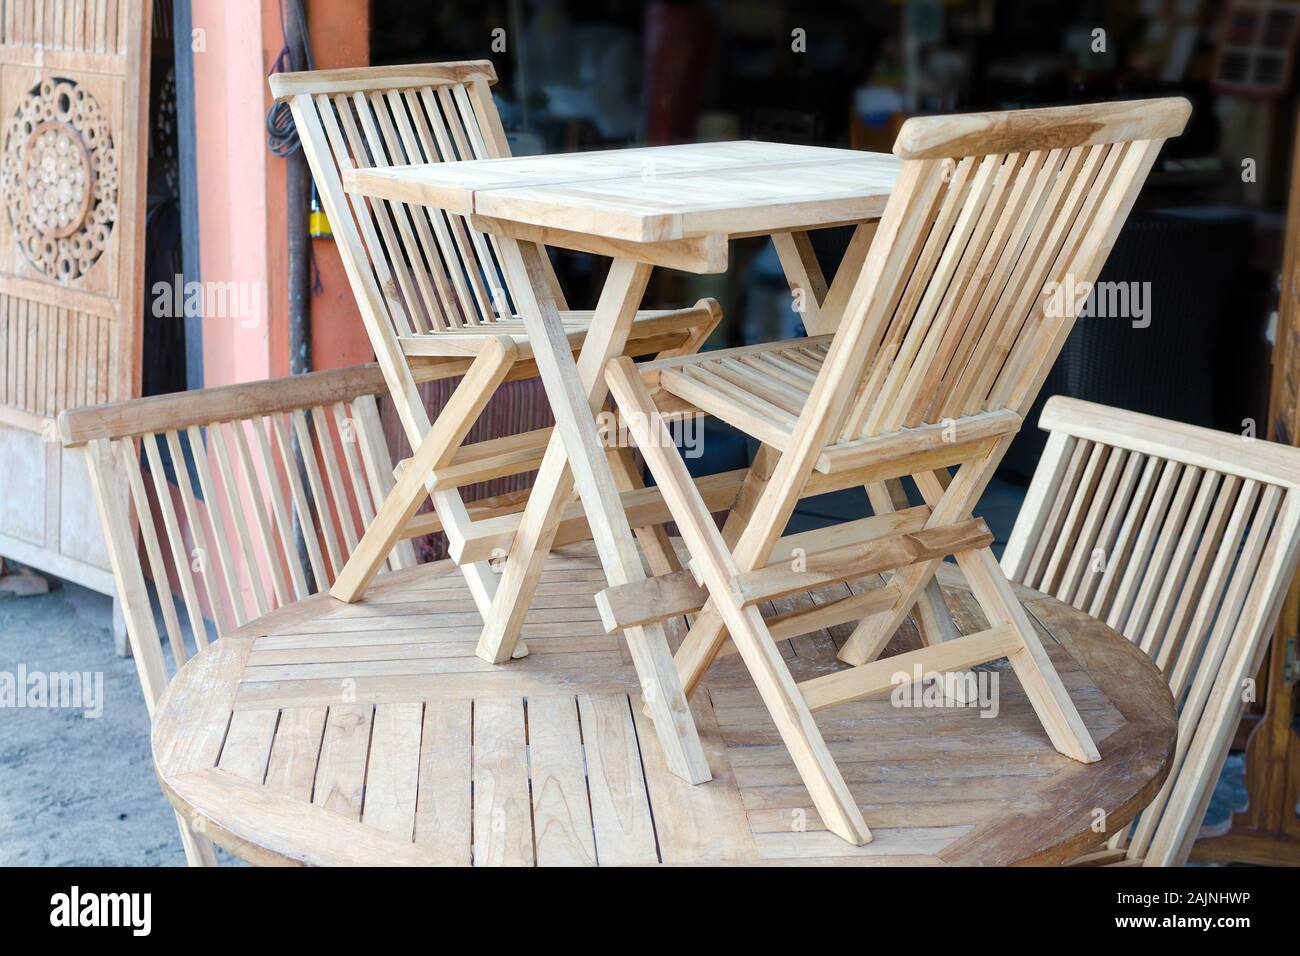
[653, 194]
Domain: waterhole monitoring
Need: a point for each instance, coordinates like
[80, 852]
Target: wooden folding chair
[432, 290]
[245, 497]
[1185, 540]
[944, 343]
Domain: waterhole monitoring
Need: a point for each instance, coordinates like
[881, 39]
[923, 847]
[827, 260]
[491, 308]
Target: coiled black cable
[281, 134]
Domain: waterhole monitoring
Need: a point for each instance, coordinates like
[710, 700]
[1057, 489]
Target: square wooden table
[669, 206]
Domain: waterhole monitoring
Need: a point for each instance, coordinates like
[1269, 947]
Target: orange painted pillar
[340, 36]
[242, 228]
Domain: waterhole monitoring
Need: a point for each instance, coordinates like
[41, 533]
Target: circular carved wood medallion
[59, 173]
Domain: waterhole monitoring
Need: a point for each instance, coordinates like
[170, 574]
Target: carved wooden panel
[73, 126]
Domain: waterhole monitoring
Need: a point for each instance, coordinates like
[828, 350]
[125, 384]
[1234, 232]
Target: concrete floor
[78, 791]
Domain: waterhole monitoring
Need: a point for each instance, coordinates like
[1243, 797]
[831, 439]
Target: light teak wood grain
[430, 285]
[928, 363]
[271, 734]
[1192, 566]
[192, 482]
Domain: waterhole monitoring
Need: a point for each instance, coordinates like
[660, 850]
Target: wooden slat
[341, 772]
[1152, 640]
[877, 677]
[695, 824]
[281, 512]
[561, 807]
[203, 554]
[442, 812]
[324, 513]
[181, 558]
[247, 746]
[848, 563]
[291, 769]
[1056, 126]
[620, 808]
[123, 553]
[392, 771]
[1117, 563]
[161, 413]
[218, 505]
[129, 465]
[252, 481]
[349, 79]
[344, 507]
[1107, 546]
[436, 245]
[503, 828]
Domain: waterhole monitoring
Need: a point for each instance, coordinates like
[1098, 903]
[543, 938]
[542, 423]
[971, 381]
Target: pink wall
[230, 95]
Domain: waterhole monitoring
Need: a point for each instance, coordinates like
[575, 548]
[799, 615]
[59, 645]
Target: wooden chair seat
[653, 331]
[760, 389]
[763, 389]
[578, 319]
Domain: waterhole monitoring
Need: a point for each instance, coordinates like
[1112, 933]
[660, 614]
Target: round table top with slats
[327, 733]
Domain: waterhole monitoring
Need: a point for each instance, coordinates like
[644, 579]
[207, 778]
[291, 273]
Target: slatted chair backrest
[414, 270]
[992, 213]
[245, 497]
[1185, 541]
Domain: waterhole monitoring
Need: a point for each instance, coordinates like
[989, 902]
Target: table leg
[575, 456]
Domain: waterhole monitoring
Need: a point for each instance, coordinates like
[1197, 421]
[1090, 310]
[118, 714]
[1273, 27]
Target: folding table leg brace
[435, 450]
[576, 457]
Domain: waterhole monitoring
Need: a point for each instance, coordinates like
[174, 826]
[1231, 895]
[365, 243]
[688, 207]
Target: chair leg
[794, 721]
[871, 635]
[925, 604]
[930, 614]
[715, 563]
[554, 483]
[1041, 683]
[655, 543]
[435, 449]
[707, 634]
[950, 499]
[660, 555]
[654, 540]
[198, 848]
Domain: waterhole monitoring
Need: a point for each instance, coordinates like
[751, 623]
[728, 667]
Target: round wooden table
[327, 733]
